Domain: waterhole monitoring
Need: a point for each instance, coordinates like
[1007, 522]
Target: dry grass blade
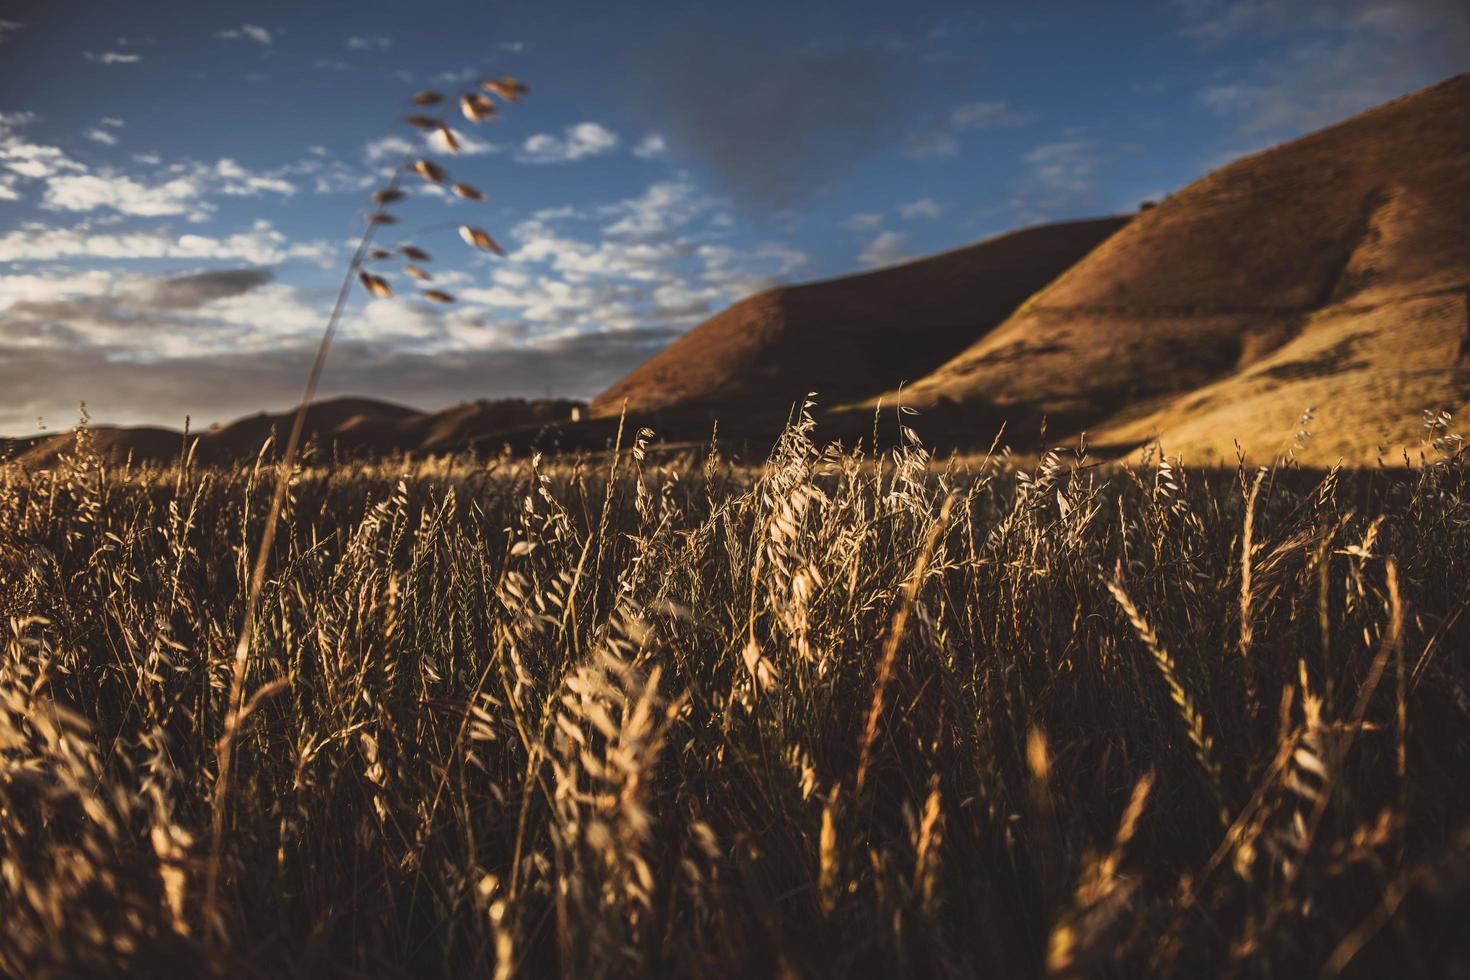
[415, 253]
[418, 273]
[1184, 705]
[895, 636]
[467, 192]
[388, 195]
[425, 123]
[438, 296]
[428, 97]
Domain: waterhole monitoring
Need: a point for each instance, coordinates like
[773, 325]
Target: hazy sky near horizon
[181, 183]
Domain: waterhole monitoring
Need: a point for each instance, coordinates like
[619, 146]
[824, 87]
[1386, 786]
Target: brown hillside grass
[1186, 324]
[846, 338]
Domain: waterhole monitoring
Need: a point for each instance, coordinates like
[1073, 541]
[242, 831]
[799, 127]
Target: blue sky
[181, 183]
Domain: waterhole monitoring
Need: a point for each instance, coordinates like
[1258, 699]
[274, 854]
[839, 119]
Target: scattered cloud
[1067, 167]
[262, 244]
[113, 57]
[1060, 178]
[661, 210]
[886, 249]
[942, 140]
[369, 43]
[865, 221]
[247, 32]
[99, 135]
[8, 27]
[651, 147]
[923, 208]
[387, 148]
[1325, 60]
[587, 139]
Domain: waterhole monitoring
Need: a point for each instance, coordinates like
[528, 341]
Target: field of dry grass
[835, 716]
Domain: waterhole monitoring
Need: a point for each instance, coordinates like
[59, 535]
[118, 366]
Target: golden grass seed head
[476, 107]
[479, 238]
[429, 170]
[376, 285]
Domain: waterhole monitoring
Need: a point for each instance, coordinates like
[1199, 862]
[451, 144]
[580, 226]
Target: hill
[345, 426]
[847, 338]
[1329, 272]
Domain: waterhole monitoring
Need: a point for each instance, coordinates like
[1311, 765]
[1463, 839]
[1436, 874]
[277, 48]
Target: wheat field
[842, 714]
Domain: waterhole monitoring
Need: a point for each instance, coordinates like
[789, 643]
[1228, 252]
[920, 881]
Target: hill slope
[852, 337]
[1331, 271]
[350, 426]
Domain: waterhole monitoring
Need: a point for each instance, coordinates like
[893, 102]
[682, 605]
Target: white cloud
[863, 221]
[261, 245]
[112, 121]
[247, 32]
[34, 161]
[9, 27]
[182, 193]
[113, 57]
[943, 140]
[234, 180]
[387, 148]
[886, 249]
[99, 135]
[660, 210]
[587, 139]
[1067, 167]
[369, 43]
[651, 147]
[923, 208]
[1327, 59]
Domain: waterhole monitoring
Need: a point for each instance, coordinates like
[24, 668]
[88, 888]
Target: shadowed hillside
[847, 338]
[1330, 272]
[349, 426]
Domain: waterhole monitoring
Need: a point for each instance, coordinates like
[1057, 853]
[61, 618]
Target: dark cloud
[193, 291]
[51, 382]
[772, 120]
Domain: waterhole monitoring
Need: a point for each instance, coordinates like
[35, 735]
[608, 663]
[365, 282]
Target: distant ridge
[345, 426]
